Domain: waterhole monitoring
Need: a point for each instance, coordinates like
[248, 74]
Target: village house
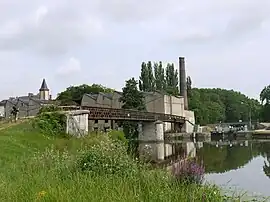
[28, 105]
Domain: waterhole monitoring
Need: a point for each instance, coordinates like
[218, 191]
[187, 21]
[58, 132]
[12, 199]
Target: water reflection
[244, 163]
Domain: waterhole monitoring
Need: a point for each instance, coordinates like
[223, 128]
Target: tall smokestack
[182, 81]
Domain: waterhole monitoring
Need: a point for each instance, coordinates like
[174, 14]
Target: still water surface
[238, 165]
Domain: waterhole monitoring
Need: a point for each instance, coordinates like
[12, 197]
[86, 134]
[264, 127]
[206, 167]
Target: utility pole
[249, 114]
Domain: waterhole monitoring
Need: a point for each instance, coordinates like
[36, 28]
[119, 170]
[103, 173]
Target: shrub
[50, 123]
[189, 171]
[107, 157]
[49, 108]
[118, 135]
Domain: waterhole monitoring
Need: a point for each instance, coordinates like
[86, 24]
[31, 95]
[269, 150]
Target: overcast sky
[226, 43]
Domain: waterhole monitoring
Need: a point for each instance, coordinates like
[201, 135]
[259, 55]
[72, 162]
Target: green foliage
[146, 82]
[167, 82]
[189, 86]
[171, 80]
[35, 167]
[73, 94]
[265, 100]
[107, 157]
[50, 123]
[160, 83]
[49, 108]
[132, 98]
[215, 105]
[118, 135]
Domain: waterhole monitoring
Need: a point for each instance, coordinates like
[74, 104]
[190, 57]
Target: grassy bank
[37, 167]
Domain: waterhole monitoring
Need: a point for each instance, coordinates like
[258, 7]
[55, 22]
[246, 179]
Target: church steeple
[43, 86]
[44, 91]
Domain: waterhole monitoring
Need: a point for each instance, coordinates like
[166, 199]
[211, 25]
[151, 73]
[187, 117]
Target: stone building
[155, 102]
[28, 105]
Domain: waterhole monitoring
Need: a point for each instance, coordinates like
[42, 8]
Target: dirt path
[10, 124]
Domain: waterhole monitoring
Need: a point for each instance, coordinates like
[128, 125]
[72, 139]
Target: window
[96, 121]
[106, 121]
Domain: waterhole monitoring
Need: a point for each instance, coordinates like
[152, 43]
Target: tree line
[157, 77]
[211, 105]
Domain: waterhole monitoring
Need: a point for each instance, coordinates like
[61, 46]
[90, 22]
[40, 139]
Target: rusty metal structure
[98, 113]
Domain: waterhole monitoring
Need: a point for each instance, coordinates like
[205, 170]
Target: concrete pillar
[140, 131]
[159, 131]
[160, 151]
[151, 131]
[77, 123]
[191, 149]
[168, 150]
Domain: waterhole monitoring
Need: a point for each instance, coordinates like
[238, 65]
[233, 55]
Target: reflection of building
[28, 105]
[164, 151]
[191, 149]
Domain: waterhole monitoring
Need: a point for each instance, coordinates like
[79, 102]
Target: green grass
[36, 167]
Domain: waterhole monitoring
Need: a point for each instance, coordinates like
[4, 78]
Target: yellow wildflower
[41, 194]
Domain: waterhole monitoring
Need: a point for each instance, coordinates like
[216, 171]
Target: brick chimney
[182, 81]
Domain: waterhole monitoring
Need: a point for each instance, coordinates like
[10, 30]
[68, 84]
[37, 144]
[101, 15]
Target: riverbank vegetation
[39, 167]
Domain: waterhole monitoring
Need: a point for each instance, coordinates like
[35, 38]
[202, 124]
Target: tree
[171, 80]
[73, 94]
[159, 76]
[189, 86]
[151, 78]
[132, 98]
[265, 95]
[146, 82]
[265, 101]
[215, 105]
[143, 82]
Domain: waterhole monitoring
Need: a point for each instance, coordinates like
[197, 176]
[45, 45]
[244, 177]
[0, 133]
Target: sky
[226, 43]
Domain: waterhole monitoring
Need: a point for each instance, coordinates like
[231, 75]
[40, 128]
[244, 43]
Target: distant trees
[163, 79]
[215, 105]
[73, 94]
[265, 101]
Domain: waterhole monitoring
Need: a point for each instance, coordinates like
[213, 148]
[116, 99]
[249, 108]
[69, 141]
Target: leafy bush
[52, 123]
[49, 108]
[118, 135]
[107, 157]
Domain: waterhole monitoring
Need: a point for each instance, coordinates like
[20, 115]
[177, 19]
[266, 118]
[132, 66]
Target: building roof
[3, 102]
[44, 86]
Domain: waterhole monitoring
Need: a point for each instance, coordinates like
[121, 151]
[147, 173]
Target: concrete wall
[77, 123]
[2, 111]
[154, 102]
[175, 106]
[189, 126]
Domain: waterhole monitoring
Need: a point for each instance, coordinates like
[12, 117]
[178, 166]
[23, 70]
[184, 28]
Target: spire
[44, 86]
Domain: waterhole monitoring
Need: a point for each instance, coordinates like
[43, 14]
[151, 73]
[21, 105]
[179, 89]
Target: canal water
[239, 166]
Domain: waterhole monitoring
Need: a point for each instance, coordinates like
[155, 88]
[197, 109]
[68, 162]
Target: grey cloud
[50, 32]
